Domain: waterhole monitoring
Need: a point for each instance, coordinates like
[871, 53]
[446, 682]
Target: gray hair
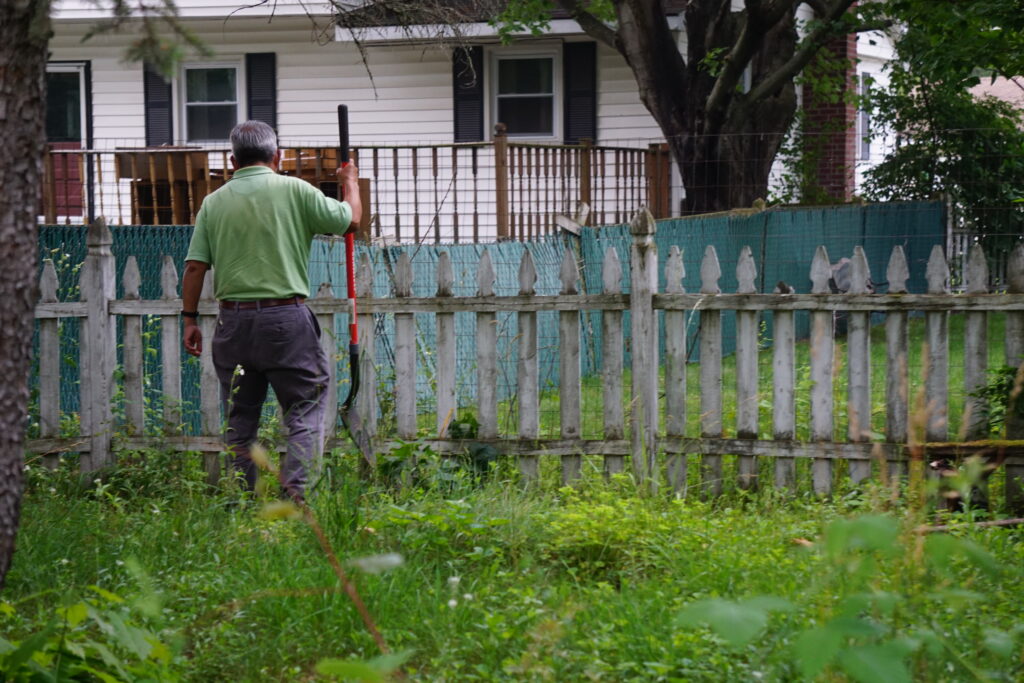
[253, 142]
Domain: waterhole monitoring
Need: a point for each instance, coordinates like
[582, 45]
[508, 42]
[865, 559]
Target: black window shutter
[579, 61]
[158, 107]
[468, 88]
[261, 87]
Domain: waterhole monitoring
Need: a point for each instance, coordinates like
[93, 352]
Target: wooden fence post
[99, 347]
[134, 398]
[329, 343]
[897, 415]
[170, 344]
[569, 368]
[405, 354]
[675, 370]
[527, 371]
[821, 373]
[612, 356]
[746, 368]
[784, 388]
[710, 374]
[366, 399]
[975, 420]
[49, 363]
[486, 353]
[209, 386]
[858, 345]
[644, 420]
[501, 179]
[936, 385]
[1015, 358]
[445, 354]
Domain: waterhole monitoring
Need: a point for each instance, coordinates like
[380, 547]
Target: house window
[524, 95]
[864, 119]
[211, 98]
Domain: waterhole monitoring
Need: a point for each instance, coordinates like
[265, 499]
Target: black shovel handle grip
[343, 143]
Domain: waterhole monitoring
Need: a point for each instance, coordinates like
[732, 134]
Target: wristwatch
[190, 314]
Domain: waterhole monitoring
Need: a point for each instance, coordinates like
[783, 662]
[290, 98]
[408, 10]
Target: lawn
[496, 583]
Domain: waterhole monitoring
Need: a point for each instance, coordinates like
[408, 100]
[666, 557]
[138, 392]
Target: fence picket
[98, 347]
[784, 388]
[643, 322]
[329, 343]
[821, 373]
[858, 344]
[209, 385]
[897, 378]
[746, 369]
[405, 354]
[445, 354]
[570, 397]
[170, 345]
[612, 357]
[366, 399]
[527, 373]
[675, 370]
[711, 373]
[49, 363]
[487, 352]
[1014, 335]
[936, 380]
[134, 405]
[976, 347]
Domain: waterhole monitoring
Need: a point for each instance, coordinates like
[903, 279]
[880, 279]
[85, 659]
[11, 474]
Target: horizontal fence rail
[448, 193]
[647, 417]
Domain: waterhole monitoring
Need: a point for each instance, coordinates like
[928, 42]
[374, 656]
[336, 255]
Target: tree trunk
[24, 34]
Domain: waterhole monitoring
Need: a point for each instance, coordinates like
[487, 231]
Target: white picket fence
[634, 427]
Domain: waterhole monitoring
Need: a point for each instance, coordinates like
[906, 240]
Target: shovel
[349, 416]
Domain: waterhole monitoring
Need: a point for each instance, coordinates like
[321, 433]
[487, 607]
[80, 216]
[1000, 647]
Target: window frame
[181, 96]
[553, 52]
[76, 67]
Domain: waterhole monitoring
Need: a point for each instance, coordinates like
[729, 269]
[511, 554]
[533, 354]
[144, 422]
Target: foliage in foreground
[593, 583]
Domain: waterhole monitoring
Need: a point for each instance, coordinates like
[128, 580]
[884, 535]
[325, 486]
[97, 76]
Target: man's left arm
[191, 288]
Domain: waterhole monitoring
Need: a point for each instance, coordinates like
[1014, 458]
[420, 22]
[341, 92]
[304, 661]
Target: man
[256, 233]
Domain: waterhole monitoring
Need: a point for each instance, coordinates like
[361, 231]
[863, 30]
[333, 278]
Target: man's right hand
[193, 338]
[348, 176]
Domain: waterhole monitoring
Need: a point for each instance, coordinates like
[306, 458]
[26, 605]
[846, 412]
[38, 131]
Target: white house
[285, 63]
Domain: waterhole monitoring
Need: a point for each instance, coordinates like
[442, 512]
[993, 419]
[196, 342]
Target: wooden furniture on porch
[168, 184]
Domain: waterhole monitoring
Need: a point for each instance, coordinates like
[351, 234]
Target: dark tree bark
[723, 137]
[24, 34]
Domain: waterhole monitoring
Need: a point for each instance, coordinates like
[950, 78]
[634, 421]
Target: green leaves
[737, 623]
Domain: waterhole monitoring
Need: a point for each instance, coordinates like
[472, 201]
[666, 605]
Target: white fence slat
[897, 380]
[1014, 334]
[746, 368]
[675, 371]
[784, 388]
[527, 372]
[711, 373]
[329, 344]
[209, 385]
[936, 383]
[98, 347]
[445, 354]
[486, 352]
[170, 350]
[405, 354]
[570, 397]
[612, 354]
[643, 320]
[366, 399]
[134, 400]
[975, 347]
[858, 344]
[821, 373]
[49, 362]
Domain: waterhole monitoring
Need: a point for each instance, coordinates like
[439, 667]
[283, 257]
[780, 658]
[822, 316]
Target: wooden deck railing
[438, 193]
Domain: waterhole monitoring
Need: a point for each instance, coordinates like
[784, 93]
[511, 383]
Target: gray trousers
[279, 347]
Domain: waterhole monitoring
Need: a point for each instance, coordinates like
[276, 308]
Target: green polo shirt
[256, 232]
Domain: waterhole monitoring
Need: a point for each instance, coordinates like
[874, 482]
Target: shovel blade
[354, 424]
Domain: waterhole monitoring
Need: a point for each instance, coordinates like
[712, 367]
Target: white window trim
[552, 51]
[181, 106]
[78, 68]
[865, 138]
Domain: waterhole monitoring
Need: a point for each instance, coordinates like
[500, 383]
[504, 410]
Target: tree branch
[591, 25]
[804, 54]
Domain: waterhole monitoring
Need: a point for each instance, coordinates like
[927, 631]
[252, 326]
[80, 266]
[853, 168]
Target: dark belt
[262, 303]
